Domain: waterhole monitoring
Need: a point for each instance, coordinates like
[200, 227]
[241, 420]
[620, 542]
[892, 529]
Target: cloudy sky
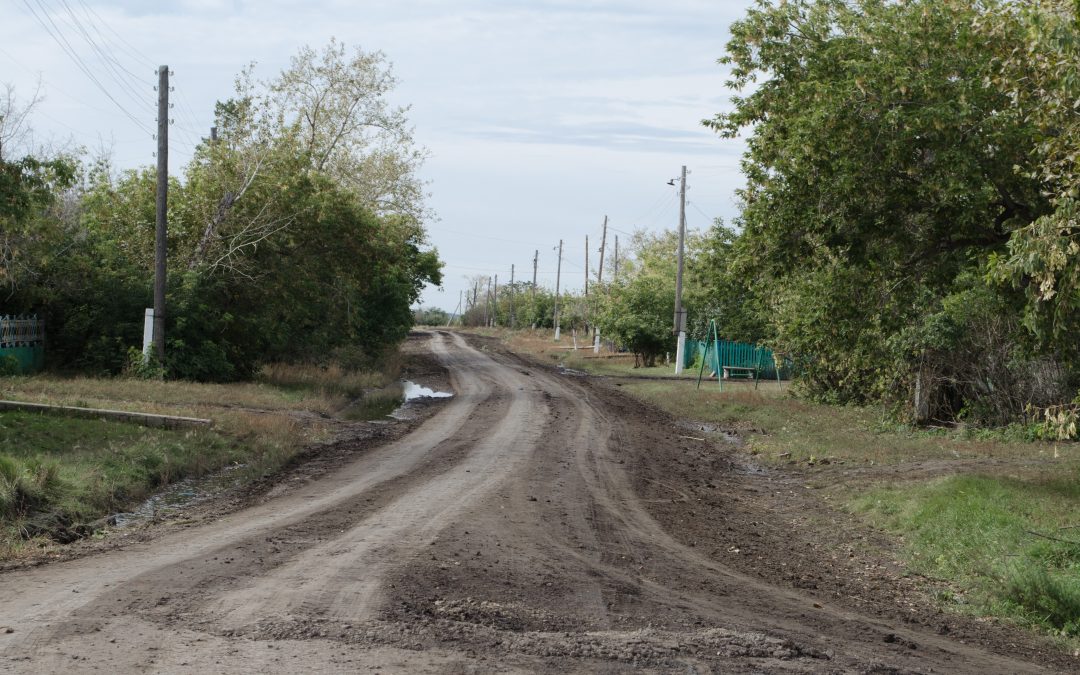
[540, 116]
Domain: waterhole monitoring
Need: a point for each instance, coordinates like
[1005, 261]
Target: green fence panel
[738, 355]
[23, 339]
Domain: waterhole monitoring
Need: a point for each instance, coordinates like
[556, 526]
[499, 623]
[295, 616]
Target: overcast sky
[541, 117]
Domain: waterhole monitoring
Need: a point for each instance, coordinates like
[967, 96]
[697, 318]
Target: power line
[147, 61]
[131, 83]
[57, 35]
[695, 206]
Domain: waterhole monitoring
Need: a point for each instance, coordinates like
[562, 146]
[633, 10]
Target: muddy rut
[535, 522]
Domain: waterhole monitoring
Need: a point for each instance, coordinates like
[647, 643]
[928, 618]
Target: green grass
[1002, 546]
[63, 472]
[783, 430]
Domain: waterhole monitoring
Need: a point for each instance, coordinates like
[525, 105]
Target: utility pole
[680, 313]
[603, 243]
[536, 260]
[615, 273]
[586, 266]
[558, 276]
[487, 304]
[511, 297]
[532, 291]
[161, 230]
[495, 303]
[600, 281]
[460, 296]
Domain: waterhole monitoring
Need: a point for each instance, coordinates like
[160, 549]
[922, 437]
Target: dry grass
[280, 387]
[784, 430]
[261, 425]
[331, 382]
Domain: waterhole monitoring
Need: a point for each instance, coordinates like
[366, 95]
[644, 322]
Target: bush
[9, 365]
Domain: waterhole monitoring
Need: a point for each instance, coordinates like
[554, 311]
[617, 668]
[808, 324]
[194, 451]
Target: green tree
[637, 310]
[881, 167]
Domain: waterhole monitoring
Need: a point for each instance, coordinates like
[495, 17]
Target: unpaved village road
[535, 522]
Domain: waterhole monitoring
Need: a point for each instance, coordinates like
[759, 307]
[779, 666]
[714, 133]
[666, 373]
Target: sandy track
[509, 532]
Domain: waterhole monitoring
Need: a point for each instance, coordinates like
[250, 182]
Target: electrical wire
[124, 44]
[695, 207]
[129, 83]
[57, 35]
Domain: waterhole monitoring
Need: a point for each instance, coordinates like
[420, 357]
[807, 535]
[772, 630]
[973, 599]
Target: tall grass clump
[25, 486]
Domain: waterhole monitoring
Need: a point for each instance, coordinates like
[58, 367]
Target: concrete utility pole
[511, 297]
[495, 303]
[680, 313]
[558, 276]
[161, 230]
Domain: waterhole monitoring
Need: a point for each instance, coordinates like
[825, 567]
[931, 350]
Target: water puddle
[179, 496]
[563, 370]
[413, 391]
[379, 406]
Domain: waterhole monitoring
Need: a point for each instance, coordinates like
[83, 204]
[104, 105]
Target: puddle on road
[392, 402]
[179, 496]
[563, 370]
[413, 391]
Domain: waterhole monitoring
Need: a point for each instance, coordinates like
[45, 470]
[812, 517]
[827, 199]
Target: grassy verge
[60, 475]
[992, 519]
[1000, 546]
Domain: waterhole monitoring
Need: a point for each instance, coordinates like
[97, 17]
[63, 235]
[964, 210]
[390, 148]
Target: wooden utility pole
[615, 274]
[558, 276]
[161, 230]
[603, 243]
[487, 304]
[532, 290]
[460, 297]
[680, 313]
[586, 266]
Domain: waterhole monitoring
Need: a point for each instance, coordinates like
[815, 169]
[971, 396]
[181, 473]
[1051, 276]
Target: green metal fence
[23, 339]
[737, 355]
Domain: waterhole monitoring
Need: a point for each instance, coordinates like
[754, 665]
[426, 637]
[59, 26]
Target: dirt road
[535, 522]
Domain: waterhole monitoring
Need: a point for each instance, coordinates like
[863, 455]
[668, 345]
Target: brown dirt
[536, 522]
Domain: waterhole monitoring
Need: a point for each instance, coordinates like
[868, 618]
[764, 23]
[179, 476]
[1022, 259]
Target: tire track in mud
[504, 534]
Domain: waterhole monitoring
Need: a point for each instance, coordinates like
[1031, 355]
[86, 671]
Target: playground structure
[738, 360]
